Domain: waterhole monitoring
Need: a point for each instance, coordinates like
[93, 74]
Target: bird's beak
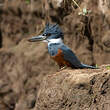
[37, 38]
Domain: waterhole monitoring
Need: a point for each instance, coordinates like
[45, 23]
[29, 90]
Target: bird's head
[51, 32]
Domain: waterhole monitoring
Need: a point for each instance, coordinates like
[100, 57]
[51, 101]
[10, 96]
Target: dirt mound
[75, 90]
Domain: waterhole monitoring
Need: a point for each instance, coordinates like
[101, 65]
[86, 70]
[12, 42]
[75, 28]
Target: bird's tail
[88, 66]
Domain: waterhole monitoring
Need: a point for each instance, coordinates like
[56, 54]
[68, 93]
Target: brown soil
[75, 90]
[27, 74]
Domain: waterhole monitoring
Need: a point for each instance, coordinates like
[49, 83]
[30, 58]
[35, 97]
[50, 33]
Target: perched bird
[58, 51]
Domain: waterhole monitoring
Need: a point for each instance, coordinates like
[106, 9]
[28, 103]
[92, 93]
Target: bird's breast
[52, 49]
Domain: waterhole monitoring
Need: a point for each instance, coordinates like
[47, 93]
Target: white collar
[51, 41]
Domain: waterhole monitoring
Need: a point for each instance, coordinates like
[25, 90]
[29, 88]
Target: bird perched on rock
[58, 51]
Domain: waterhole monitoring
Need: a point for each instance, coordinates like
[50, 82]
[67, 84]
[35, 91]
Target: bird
[58, 51]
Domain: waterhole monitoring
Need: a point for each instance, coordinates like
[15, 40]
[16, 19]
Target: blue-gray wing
[70, 57]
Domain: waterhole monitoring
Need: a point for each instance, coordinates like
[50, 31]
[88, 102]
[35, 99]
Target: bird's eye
[44, 34]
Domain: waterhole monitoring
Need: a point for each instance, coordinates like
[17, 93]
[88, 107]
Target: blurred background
[23, 64]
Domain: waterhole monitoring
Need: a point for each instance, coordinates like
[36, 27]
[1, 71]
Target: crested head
[53, 31]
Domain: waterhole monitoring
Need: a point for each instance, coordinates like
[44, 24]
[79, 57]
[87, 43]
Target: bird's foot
[62, 68]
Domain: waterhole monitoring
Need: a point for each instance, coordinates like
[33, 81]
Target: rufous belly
[59, 58]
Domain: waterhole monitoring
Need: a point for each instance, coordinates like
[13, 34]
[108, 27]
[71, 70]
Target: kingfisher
[58, 51]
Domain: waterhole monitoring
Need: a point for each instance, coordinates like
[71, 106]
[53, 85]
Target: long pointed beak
[37, 38]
